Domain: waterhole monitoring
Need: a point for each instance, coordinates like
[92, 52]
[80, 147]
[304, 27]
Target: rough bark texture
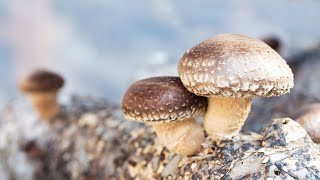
[90, 141]
[283, 150]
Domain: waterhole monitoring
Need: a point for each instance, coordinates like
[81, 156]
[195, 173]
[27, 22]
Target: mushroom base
[182, 137]
[225, 116]
[45, 104]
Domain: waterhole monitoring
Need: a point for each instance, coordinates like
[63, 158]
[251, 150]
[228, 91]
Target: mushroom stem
[182, 137]
[45, 103]
[225, 116]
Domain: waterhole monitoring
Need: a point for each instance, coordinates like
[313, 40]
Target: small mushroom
[309, 118]
[231, 69]
[42, 88]
[274, 42]
[164, 103]
[32, 149]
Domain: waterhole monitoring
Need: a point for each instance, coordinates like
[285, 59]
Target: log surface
[90, 140]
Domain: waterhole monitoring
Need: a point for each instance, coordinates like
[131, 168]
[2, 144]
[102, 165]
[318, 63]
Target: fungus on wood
[42, 87]
[230, 70]
[164, 103]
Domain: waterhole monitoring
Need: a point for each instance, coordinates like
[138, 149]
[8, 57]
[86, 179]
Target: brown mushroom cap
[161, 99]
[41, 81]
[230, 65]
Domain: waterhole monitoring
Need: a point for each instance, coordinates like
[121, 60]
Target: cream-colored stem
[182, 137]
[225, 116]
[45, 103]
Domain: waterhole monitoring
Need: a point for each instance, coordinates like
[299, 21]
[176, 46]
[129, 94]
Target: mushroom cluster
[42, 87]
[229, 70]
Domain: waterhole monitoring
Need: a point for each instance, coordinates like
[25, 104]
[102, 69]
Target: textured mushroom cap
[41, 81]
[161, 99]
[230, 65]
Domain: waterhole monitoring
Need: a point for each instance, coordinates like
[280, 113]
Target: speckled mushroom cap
[230, 65]
[161, 99]
[41, 81]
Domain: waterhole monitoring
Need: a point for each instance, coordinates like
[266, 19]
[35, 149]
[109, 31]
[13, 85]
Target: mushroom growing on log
[164, 103]
[42, 87]
[230, 70]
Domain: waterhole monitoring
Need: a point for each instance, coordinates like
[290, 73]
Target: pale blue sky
[104, 42]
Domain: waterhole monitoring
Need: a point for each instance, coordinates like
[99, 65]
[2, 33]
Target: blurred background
[101, 46]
